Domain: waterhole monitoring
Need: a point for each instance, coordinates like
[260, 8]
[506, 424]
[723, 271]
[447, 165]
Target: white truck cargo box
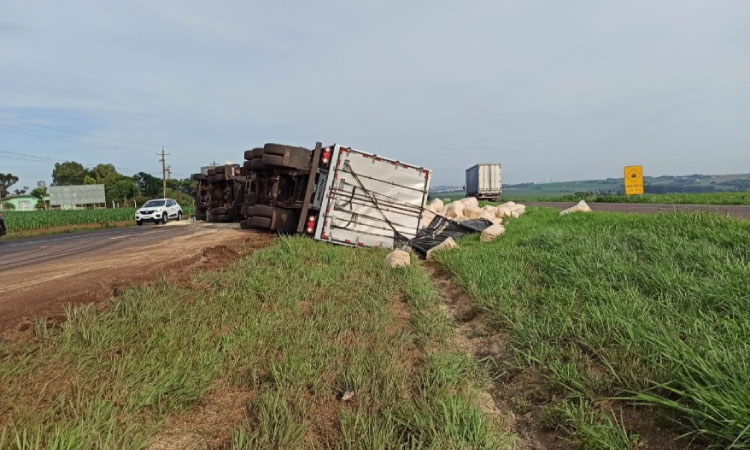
[371, 201]
[484, 181]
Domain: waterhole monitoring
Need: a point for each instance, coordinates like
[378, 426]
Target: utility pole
[163, 161]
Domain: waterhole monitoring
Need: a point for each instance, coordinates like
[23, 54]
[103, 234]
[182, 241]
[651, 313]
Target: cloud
[553, 90]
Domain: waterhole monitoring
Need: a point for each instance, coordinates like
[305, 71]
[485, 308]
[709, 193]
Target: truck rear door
[371, 201]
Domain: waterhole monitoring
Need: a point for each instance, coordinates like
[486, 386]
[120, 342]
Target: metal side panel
[372, 200]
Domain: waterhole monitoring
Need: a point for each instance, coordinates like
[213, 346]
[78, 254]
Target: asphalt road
[15, 253]
[742, 212]
[40, 275]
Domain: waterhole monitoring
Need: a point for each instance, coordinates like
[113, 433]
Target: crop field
[299, 345]
[18, 221]
[612, 310]
[32, 221]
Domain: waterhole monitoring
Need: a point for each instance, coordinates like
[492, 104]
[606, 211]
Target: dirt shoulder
[40, 280]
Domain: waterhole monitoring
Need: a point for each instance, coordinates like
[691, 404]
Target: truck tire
[255, 162]
[277, 155]
[273, 160]
[219, 211]
[218, 178]
[260, 210]
[254, 153]
[245, 224]
[246, 210]
[270, 218]
[199, 177]
[199, 216]
[280, 149]
[263, 223]
[257, 165]
[221, 218]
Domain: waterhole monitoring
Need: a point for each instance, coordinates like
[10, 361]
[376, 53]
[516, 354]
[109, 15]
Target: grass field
[719, 198]
[279, 335]
[620, 309]
[659, 184]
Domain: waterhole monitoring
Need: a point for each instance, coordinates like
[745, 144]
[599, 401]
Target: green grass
[650, 309]
[294, 325]
[719, 198]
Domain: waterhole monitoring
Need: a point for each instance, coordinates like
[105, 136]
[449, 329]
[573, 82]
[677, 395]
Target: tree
[185, 185]
[119, 188]
[148, 185]
[39, 194]
[6, 181]
[68, 173]
[102, 171]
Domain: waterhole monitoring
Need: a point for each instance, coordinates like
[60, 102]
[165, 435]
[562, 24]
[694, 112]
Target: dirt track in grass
[475, 337]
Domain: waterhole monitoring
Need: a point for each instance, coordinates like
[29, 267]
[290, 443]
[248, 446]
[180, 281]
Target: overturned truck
[332, 193]
[219, 194]
[335, 194]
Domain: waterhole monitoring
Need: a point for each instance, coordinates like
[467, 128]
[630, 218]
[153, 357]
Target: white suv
[158, 210]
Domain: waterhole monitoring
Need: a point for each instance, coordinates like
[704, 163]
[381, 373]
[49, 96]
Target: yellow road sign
[633, 180]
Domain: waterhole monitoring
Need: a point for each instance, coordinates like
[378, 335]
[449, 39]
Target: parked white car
[159, 210]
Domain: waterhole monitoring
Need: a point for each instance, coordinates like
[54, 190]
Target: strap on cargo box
[399, 236]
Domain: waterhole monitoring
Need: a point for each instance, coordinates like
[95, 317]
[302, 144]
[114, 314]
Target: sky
[552, 90]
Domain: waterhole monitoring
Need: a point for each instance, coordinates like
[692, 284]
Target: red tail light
[310, 224]
[326, 155]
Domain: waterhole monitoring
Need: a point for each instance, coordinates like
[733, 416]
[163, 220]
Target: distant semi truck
[484, 181]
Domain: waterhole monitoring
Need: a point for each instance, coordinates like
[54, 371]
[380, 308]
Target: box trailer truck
[484, 181]
[335, 194]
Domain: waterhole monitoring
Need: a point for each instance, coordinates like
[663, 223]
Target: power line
[45, 159]
[4, 154]
[75, 133]
[14, 129]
